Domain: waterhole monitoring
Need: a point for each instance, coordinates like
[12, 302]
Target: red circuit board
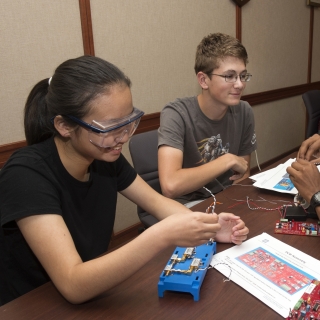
[276, 270]
[308, 306]
[299, 228]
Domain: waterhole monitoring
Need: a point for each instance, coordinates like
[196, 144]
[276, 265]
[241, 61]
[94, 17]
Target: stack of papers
[276, 179]
[274, 272]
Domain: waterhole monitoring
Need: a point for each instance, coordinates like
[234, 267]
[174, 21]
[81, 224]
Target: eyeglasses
[109, 133]
[233, 77]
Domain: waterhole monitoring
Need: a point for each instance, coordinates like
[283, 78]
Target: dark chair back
[311, 100]
[143, 149]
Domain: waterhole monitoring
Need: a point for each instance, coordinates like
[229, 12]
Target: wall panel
[276, 35]
[36, 36]
[280, 127]
[155, 44]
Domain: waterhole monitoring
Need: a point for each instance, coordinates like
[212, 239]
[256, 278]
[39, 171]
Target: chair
[143, 148]
[311, 100]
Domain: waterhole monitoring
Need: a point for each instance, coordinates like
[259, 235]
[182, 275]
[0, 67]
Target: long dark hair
[74, 84]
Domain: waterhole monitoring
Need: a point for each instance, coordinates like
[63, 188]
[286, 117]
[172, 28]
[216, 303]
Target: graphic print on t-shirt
[254, 138]
[212, 148]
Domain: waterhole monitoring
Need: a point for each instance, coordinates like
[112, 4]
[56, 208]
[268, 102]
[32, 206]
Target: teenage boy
[207, 140]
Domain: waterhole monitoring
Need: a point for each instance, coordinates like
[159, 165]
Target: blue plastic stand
[178, 281]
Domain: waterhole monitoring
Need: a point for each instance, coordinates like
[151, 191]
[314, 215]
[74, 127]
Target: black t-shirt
[34, 181]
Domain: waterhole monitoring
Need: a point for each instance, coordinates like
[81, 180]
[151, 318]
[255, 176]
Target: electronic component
[194, 266]
[300, 201]
[307, 307]
[186, 269]
[298, 228]
[188, 254]
[296, 213]
[311, 213]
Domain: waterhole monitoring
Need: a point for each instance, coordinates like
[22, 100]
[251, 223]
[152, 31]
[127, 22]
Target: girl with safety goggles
[58, 195]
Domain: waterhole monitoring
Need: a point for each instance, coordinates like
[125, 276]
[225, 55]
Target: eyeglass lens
[112, 138]
[244, 77]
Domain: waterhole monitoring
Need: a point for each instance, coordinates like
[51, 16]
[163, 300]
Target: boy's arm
[176, 181]
[247, 173]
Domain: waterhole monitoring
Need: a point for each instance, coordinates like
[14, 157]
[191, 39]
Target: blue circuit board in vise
[186, 269]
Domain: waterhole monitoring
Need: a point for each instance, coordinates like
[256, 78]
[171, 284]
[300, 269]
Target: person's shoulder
[29, 155]
[244, 104]
[243, 107]
[181, 108]
[181, 103]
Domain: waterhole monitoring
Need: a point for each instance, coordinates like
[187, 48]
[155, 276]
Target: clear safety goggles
[109, 133]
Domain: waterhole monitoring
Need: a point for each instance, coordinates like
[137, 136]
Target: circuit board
[299, 228]
[186, 269]
[308, 306]
[279, 272]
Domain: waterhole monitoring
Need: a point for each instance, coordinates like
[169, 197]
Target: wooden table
[137, 297]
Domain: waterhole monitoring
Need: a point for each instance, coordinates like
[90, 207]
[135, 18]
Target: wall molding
[152, 121]
[7, 150]
[118, 239]
[268, 163]
[238, 23]
[310, 43]
[278, 94]
[86, 27]
[149, 122]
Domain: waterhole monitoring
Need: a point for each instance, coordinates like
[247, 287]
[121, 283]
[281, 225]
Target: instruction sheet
[272, 271]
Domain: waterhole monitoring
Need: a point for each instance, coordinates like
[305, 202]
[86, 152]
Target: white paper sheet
[276, 179]
[262, 175]
[274, 272]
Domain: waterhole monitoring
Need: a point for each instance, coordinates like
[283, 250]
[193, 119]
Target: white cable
[255, 151]
[213, 207]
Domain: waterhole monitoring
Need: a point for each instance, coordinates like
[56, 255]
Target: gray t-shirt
[184, 126]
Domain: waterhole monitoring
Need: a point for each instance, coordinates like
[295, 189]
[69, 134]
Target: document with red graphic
[274, 272]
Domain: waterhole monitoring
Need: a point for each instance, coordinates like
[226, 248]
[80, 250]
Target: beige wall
[36, 36]
[154, 43]
[276, 36]
[279, 127]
